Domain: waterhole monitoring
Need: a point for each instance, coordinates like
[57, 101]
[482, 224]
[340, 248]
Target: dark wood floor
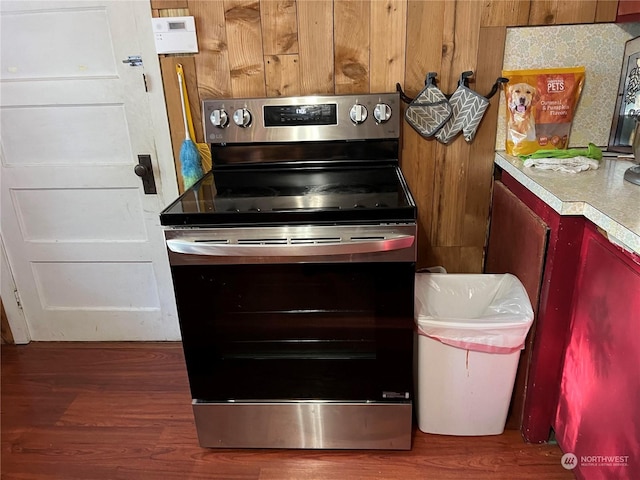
[122, 411]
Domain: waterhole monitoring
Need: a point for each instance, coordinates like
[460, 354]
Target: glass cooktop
[322, 195]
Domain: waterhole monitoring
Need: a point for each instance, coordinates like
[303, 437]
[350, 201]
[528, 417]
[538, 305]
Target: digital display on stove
[300, 115]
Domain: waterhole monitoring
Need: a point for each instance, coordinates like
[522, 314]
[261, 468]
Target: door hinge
[144, 79]
[17, 295]
[133, 60]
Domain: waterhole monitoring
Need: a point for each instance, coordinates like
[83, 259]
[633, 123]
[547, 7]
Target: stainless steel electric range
[293, 267]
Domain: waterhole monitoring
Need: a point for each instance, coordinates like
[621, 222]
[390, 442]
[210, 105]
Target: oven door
[336, 326]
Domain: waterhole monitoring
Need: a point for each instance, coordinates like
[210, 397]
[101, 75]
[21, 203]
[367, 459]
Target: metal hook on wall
[464, 80]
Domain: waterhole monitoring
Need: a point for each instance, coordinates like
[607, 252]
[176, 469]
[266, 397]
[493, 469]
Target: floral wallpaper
[599, 48]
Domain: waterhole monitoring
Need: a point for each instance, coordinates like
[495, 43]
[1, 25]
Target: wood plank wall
[255, 48]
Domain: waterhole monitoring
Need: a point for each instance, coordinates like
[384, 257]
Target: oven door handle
[202, 247]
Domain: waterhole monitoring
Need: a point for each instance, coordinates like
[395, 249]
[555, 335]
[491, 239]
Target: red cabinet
[583, 374]
[517, 245]
[628, 11]
[597, 417]
[560, 265]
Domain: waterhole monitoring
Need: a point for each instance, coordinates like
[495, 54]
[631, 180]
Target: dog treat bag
[540, 108]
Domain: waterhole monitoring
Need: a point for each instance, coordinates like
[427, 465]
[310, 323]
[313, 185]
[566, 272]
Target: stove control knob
[242, 117]
[219, 118]
[358, 113]
[382, 112]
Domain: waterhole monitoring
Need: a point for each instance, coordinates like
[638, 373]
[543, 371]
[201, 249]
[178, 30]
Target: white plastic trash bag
[479, 312]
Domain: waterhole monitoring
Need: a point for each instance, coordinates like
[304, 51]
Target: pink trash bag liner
[480, 312]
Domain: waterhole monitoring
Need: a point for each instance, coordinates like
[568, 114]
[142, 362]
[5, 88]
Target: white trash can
[470, 330]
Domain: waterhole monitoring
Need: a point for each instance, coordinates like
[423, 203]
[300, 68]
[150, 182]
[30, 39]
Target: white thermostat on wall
[175, 34]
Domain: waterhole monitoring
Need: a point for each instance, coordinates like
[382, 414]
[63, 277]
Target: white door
[82, 238]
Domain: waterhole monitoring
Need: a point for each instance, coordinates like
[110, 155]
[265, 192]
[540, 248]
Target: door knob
[144, 170]
[140, 170]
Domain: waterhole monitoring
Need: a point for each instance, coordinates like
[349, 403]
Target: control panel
[175, 34]
[295, 119]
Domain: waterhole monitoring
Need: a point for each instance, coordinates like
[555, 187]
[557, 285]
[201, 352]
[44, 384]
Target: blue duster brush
[190, 159]
[191, 163]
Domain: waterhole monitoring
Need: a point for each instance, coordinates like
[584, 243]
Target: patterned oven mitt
[468, 109]
[430, 110]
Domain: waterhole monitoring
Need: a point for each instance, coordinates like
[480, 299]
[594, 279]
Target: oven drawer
[333, 425]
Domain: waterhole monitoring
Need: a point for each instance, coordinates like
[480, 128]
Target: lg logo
[569, 461]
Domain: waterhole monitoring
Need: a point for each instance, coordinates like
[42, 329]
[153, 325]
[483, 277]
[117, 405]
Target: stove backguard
[302, 119]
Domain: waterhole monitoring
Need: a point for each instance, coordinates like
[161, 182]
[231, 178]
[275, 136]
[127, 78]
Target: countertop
[602, 196]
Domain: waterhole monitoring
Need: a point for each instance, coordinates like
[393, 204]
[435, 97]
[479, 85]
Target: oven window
[297, 331]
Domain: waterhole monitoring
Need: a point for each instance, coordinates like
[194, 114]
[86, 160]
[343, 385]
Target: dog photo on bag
[521, 99]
